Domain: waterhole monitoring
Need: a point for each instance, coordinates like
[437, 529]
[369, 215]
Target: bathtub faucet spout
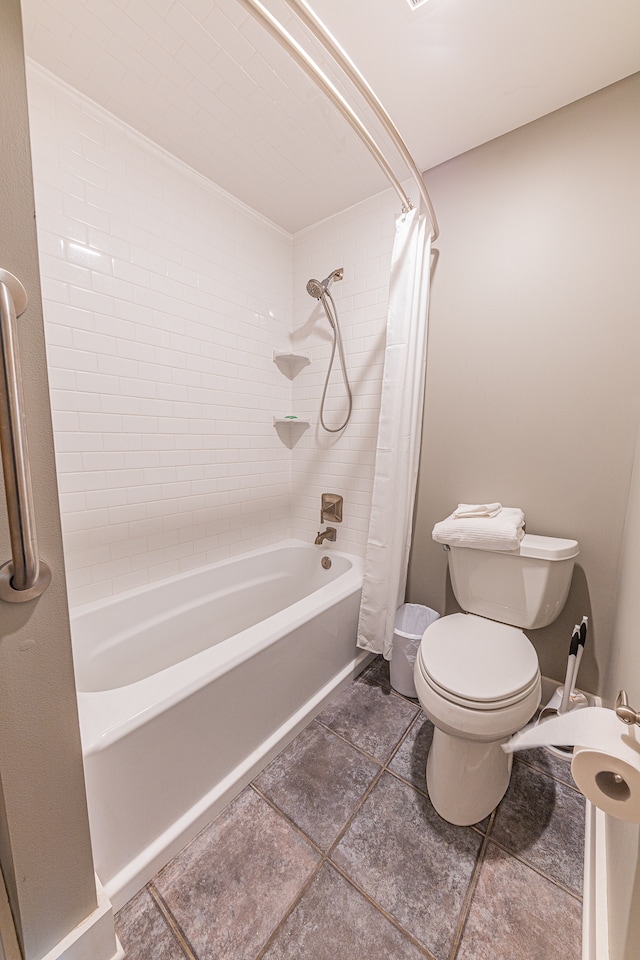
[328, 534]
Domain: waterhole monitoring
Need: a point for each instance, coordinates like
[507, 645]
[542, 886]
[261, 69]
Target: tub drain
[326, 563]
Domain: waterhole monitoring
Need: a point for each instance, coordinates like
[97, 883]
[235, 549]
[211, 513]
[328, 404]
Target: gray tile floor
[334, 852]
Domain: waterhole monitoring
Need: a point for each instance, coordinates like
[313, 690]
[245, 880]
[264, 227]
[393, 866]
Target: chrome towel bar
[24, 577]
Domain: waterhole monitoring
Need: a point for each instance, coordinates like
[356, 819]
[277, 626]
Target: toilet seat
[478, 663]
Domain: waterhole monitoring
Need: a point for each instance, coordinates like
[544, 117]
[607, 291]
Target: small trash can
[412, 619]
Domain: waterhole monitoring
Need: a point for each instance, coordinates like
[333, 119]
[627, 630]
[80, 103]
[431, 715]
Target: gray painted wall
[532, 377]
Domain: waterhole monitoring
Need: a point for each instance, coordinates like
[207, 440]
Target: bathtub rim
[108, 715]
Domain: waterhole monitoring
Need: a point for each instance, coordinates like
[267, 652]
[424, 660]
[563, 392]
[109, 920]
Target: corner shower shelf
[290, 364]
[290, 430]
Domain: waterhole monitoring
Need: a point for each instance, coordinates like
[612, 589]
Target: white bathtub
[189, 686]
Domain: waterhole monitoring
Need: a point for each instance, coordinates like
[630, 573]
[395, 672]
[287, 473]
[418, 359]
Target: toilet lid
[479, 660]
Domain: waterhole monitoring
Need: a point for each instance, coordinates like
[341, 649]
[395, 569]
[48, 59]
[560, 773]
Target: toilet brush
[565, 698]
[571, 662]
[582, 639]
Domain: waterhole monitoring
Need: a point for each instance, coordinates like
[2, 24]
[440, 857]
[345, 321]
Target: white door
[45, 850]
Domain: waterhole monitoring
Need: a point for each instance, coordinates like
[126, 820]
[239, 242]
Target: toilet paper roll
[609, 782]
[606, 758]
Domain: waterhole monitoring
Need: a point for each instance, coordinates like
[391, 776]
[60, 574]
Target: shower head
[316, 288]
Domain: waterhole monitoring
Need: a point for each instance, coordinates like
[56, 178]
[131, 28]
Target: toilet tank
[526, 588]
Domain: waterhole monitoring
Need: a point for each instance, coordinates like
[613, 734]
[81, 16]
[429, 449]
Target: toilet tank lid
[548, 548]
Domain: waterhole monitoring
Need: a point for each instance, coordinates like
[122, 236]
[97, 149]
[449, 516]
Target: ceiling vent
[414, 4]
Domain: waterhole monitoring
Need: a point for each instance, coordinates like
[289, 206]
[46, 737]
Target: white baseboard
[595, 912]
[95, 937]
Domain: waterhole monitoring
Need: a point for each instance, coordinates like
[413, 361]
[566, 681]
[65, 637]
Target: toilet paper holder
[624, 712]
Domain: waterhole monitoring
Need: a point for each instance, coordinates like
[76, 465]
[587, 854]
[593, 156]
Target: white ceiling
[204, 80]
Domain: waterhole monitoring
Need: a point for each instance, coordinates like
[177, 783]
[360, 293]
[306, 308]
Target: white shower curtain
[399, 431]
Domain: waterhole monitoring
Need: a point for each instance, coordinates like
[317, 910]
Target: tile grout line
[487, 835]
[356, 810]
[538, 870]
[325, 858]
[384, 768]
[373, 681]
[374, 903]
[289, 910]
[529, 763]
[276, 809]
[326, 861]
[469, 895]
[177, 930]
[341, 736]
[386, 685]
[546, 773]
[423, 793]
[404, 736]
[370, 756]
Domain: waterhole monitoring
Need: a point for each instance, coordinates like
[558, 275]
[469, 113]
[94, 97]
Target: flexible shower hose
[332, 317]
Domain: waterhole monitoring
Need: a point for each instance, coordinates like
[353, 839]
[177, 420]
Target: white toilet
[476, 673]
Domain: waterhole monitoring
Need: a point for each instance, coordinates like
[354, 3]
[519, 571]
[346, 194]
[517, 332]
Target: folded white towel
[476, 510]
[504, 531]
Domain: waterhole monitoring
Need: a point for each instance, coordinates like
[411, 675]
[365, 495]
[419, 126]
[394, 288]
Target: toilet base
[466, 779]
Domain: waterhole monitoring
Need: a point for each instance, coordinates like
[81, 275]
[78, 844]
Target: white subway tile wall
[359, 240]
[164, 300]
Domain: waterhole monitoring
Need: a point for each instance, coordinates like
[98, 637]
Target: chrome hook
[624, 712]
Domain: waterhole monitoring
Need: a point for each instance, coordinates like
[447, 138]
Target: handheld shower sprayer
[319, 290]
[316, 288]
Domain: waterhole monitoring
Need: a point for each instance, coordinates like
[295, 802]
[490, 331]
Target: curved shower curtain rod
[330, 44]
[304, 12]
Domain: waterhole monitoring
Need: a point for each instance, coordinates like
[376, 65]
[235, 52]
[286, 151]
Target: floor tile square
[333, 921]
[317, 782]
[410, 761]
[518, 915]
[370, 717]
[143, 931]
[251, 885]
[542, 821]
[412, 863]
[230, 887]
